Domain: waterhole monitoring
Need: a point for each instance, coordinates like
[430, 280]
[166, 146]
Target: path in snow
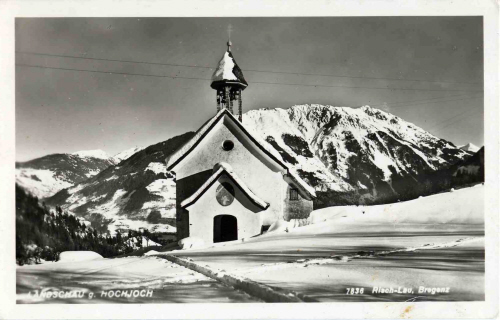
[171, 283]
[323, 267]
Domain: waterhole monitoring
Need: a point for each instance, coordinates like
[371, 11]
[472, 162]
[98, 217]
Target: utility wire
[407, 101]
[111, 72]
[458, 120]
[246, 70]
[431, 102]
[461, 114]
[253, 82]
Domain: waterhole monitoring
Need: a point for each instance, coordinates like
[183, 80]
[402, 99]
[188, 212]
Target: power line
[359, 77]
[466, 112]
[359, 87]
[110, 72]
[427, 99]
[246, 70]
[253, 82]
[458, 117]
[431, 102]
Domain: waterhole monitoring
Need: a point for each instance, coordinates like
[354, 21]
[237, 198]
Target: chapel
[229, 184]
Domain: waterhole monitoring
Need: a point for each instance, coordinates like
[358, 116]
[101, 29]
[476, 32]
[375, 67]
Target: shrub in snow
[191, 243]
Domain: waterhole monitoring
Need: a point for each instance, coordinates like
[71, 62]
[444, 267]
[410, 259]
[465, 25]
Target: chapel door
[225, 228]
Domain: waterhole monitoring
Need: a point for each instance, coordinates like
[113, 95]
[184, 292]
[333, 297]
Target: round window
[228, 145]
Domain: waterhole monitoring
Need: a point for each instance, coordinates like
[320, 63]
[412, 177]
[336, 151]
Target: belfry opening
[228, 81]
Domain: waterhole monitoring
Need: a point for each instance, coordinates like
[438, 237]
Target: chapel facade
[229, 184]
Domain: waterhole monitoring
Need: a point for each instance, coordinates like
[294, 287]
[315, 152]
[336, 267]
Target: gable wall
[203, 211]
[193, 171]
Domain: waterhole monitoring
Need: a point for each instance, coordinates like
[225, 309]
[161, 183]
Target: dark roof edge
[242, 128]
[224, 171]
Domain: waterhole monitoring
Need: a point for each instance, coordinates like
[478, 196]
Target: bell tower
[229, 82]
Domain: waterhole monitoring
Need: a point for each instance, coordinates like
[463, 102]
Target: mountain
[472, 169]
[42, 234]
[362, 150]
[98, 154]
[350, 156]
[136, 193]
[470, 147]
[45, 176]
[119, 157]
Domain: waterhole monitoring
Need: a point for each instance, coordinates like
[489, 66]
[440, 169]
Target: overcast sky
[63, 111]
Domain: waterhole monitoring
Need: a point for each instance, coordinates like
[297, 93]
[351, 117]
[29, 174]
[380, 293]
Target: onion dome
[228, 73]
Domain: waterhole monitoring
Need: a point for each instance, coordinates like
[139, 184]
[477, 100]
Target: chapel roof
[175, 158]
[220, 169]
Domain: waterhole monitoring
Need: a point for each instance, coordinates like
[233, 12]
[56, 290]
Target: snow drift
[444, 211]
[74, 256]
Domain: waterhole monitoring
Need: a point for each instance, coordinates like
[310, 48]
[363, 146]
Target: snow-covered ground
[463, 208]
[73, 256]
[435, 241]
[430, 242]
[169, 283]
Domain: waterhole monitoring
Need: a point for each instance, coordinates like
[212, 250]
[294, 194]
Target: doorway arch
[225, 228]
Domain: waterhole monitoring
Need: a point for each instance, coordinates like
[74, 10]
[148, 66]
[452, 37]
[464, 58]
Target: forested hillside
[42, 234]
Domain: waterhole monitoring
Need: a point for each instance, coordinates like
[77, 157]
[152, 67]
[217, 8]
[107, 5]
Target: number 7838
[355, 291]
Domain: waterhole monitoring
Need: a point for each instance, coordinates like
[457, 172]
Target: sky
[426, 70]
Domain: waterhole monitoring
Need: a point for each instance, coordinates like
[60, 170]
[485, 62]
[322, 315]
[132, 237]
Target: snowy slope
[470, 147]
[45, 176]
[472, 169]
[99, 154]
[464, 206]
[123, 196]
[341, 148]
[335, 149]
[119, 157]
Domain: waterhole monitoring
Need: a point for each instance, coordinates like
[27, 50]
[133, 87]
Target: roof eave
[220, 115]
[199, 193]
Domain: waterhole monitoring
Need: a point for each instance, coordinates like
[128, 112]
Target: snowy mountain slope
[119, 157]
[472, 169]
[45, 176]
[345, 149]
[98, 153]
[338, 150]
[470, 147]
[124, 196]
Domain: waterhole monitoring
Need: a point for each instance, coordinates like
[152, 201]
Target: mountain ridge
[338, 150]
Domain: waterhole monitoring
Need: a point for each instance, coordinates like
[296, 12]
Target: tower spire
[229, 82]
